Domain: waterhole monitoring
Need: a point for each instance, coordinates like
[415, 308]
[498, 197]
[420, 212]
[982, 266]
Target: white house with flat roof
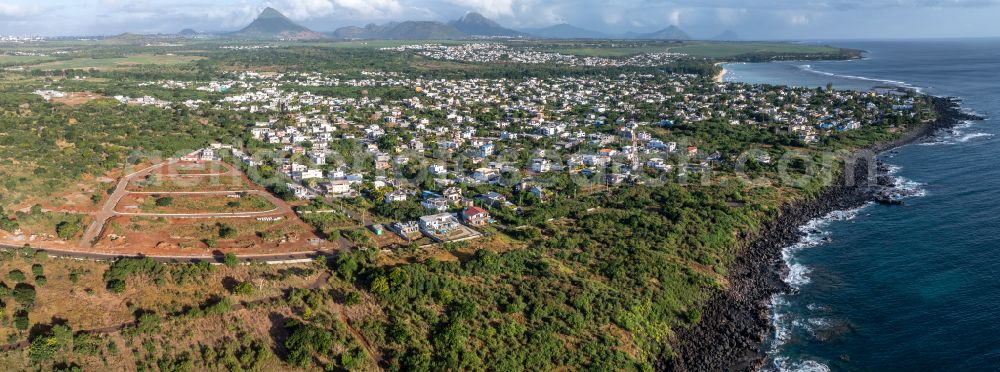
[438, 223]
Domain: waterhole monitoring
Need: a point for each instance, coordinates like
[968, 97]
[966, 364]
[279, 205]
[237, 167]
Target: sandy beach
[721, 74]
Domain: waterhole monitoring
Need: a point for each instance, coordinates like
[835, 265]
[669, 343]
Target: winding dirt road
[108, 210]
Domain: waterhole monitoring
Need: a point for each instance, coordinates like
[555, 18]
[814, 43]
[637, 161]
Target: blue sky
[751, 19]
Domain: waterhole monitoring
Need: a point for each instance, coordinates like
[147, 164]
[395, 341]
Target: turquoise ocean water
[902, 288]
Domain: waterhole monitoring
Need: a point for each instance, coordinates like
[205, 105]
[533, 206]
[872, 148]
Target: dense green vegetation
[47, 144]
[601, 289]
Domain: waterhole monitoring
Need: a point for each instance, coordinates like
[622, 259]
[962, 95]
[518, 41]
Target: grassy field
[245, 229]
[731, 49]
[194, 233]
[113, 63]
[12, 60]
[201, 204]
[211, 183]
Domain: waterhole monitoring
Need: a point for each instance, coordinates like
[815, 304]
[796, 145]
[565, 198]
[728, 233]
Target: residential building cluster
[511, 138]
[497, 52]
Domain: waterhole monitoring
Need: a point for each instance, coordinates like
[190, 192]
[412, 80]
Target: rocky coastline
[736, 321]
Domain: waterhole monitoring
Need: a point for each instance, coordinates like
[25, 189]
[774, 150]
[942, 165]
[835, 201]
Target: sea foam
[783, 319]
[956, 135]
[901, 84]
[783, 364]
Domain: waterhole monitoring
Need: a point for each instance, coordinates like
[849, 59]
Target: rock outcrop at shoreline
[736, 321]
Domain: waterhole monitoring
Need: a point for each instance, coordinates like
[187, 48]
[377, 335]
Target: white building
[438, 223]
[540, 165]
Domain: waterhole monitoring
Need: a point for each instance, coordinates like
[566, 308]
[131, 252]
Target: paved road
[108, 210]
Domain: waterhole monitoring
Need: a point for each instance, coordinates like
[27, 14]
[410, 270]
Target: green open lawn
[10, 60]
[731, 49]
[112, 63]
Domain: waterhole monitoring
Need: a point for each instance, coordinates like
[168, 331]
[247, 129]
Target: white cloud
[730, 16]
[15, 11]
[794, 18]
[365, 9]
[675, 17]
[611, 18]
[764, 18]
[488, 8]
[304, 9]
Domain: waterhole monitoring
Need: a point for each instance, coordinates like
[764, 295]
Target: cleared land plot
[164, 236]
[77, 98]
[158, 183]
[113, 63]
[193, 169]
[329, 222]
[187, 203]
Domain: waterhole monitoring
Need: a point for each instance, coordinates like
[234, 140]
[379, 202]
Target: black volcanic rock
[476, 25]
[736, 320]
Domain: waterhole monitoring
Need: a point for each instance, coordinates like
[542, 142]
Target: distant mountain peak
[270, 12]
[727, 35]
[473, 17]
[672, 32]
[473, 23]
[564, 31]
[412, 30]
[270, 23]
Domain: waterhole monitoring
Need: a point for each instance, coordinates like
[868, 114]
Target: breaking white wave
[971, 136]
[956, 135]
[816, 307]
[909, 188]
[896, 83]
[783, 364]
[905, 187]
[798, 274]
[782, 318]
[784, 326]
[812, 235]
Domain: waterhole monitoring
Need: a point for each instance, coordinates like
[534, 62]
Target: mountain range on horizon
[272, 24]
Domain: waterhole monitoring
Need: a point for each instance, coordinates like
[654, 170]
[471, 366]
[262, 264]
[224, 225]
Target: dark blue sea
[902, 288]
